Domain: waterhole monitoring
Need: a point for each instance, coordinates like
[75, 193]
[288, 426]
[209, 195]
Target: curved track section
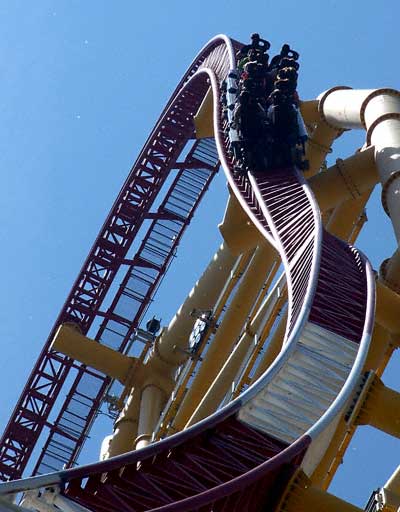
[243, 456]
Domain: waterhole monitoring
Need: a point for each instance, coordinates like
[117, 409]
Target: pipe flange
[393, 176]
[383, 277]
[322, 101]
[378, 120]
[377, 92]
[351, 186]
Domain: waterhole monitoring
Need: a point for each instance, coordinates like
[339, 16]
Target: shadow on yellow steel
[302, 496]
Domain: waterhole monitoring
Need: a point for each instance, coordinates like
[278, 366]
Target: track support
[378, 406]
[301, 496]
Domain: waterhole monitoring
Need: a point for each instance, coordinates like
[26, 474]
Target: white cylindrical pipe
[378, 110]
[342, 108]
[382, 118]
[381, 102]
[386, 138]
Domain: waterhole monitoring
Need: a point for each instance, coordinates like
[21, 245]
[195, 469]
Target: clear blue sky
[82, 83]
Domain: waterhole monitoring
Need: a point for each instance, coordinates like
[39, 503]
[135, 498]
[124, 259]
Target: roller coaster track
[243, 456]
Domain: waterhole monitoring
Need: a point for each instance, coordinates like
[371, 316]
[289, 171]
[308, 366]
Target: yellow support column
[387, 307]
[347, 179]
[390, 272]
[273, 348]
[227, 332]
[309, 111]
[125, 428]
[390, 494]
[230, 369]
[238, 231]
[151, 403]
[380, 346]
[344, 217]
[301, 496]
[319, 145]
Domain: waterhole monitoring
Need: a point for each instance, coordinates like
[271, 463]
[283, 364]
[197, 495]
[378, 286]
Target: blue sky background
[82, 83]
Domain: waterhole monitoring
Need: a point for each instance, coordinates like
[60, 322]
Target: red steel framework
[69, 430]
[130, 210]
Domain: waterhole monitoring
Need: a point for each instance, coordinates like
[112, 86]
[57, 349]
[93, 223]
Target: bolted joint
[344, 172]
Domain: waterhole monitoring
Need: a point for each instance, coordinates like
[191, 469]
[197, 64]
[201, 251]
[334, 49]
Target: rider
[256, 44]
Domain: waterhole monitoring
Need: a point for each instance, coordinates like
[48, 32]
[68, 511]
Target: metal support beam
[378, 406]
[228, 332]
[347, 179]
[239, 355]
[203, 120]
[301, 496]
[345, 216]
[72, 343]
